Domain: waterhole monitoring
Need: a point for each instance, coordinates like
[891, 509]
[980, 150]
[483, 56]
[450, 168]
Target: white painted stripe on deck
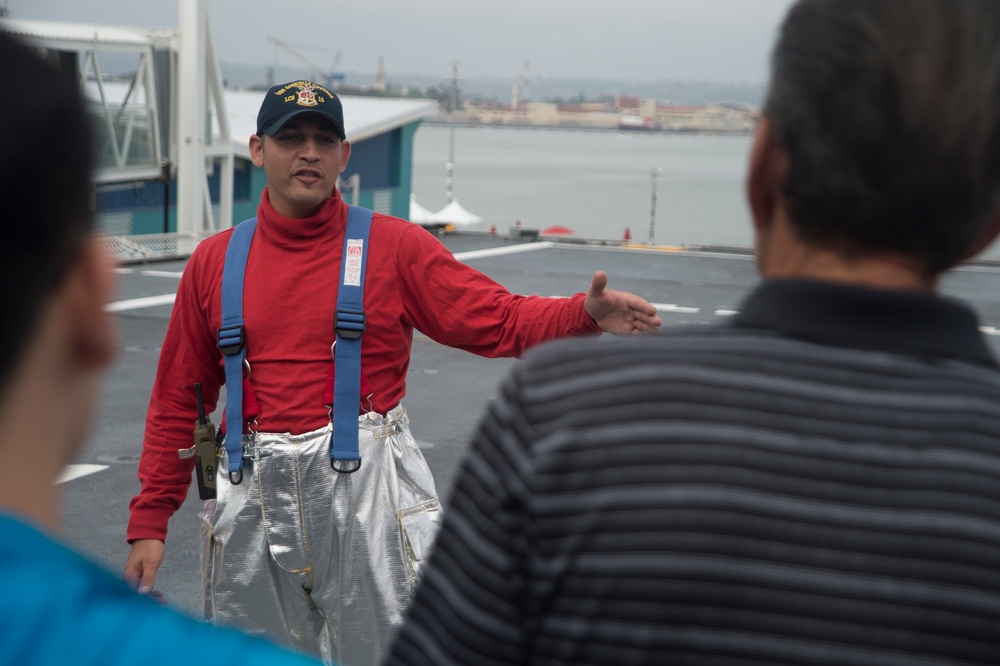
[726, 313]
[166, 274]
[671, 307]
[76, 471]
[138, 303]
[990, 330]
[979, 268]
[499, 251]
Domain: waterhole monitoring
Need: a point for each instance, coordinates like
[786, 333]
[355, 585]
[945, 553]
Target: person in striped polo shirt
[815, 482]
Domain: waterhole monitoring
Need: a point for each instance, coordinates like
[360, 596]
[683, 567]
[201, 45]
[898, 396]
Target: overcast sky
[714, 40]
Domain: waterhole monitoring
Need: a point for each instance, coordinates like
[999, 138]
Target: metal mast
[449, 168]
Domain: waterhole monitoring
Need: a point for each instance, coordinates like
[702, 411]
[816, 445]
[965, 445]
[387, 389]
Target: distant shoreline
[587, 128]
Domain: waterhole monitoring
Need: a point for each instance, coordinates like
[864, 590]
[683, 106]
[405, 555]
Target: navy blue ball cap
[284, 102]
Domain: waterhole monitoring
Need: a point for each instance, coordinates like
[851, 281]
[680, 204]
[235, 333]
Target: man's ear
[257, 150]
[88, 288]
[345, 154]
[766, 175]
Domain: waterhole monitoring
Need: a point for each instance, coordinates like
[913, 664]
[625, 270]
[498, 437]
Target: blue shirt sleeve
[57, 607]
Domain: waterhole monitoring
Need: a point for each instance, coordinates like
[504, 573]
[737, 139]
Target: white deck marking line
[499, 251]
[166, 274]
[726, 313]
[979, 268]
[990, 330]
[670, 307]
[122, 271]
[76, 471]
[138, 303]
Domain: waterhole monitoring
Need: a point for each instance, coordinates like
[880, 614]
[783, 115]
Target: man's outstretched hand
[619, 312]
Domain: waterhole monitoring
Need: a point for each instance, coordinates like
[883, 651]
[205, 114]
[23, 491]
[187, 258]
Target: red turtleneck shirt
[290, 295]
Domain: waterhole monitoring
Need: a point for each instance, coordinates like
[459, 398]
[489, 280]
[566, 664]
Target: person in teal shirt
[56, 340]
[56, 607]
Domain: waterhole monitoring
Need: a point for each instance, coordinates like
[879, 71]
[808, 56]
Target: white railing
[152, 247]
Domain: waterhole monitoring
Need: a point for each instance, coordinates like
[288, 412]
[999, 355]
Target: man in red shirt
[322, 560]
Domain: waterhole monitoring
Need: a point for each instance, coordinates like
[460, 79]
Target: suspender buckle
[350, 323]
[345, 466]
[232, 339]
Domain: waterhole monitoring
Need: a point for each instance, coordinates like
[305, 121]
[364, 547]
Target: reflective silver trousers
[321, 561]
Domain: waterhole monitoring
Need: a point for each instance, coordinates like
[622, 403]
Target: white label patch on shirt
[352, 271]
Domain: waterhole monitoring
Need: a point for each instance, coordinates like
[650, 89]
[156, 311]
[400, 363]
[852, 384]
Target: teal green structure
[383, 162]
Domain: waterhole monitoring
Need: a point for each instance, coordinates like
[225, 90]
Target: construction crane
[331, 78]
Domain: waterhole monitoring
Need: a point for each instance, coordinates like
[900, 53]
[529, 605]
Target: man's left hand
[619, 312]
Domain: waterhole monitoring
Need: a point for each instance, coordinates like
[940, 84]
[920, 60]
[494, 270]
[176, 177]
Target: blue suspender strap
[232, 341]
[350, 324]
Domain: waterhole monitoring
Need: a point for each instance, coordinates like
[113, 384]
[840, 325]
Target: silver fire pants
[318, 560]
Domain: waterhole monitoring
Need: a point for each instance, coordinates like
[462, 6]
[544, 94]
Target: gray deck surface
[447, 389]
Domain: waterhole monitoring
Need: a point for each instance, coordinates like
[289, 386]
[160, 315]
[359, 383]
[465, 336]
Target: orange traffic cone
[628, 234]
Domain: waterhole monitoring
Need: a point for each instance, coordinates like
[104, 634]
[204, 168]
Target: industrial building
[173, 157]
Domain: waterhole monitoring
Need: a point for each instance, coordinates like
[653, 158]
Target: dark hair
[46, 159]
[890, 111]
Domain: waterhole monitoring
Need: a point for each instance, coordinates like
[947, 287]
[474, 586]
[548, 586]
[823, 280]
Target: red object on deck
[558, 230]
[628, 234]
[493, 230]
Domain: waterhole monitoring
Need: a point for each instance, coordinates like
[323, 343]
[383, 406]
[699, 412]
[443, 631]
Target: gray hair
[890, 111]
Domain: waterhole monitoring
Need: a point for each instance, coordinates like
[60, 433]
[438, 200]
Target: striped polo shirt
[817, 482]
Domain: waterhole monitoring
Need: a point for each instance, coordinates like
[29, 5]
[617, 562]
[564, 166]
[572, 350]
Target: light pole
[449, 181]
[654, 174]
[449, 194]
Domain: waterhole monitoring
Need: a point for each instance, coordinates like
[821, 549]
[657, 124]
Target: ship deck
[447, 388]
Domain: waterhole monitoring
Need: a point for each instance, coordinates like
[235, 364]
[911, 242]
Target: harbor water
[596, 183]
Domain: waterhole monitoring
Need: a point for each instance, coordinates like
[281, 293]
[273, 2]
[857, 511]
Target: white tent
[454, 214]
[418, 213]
